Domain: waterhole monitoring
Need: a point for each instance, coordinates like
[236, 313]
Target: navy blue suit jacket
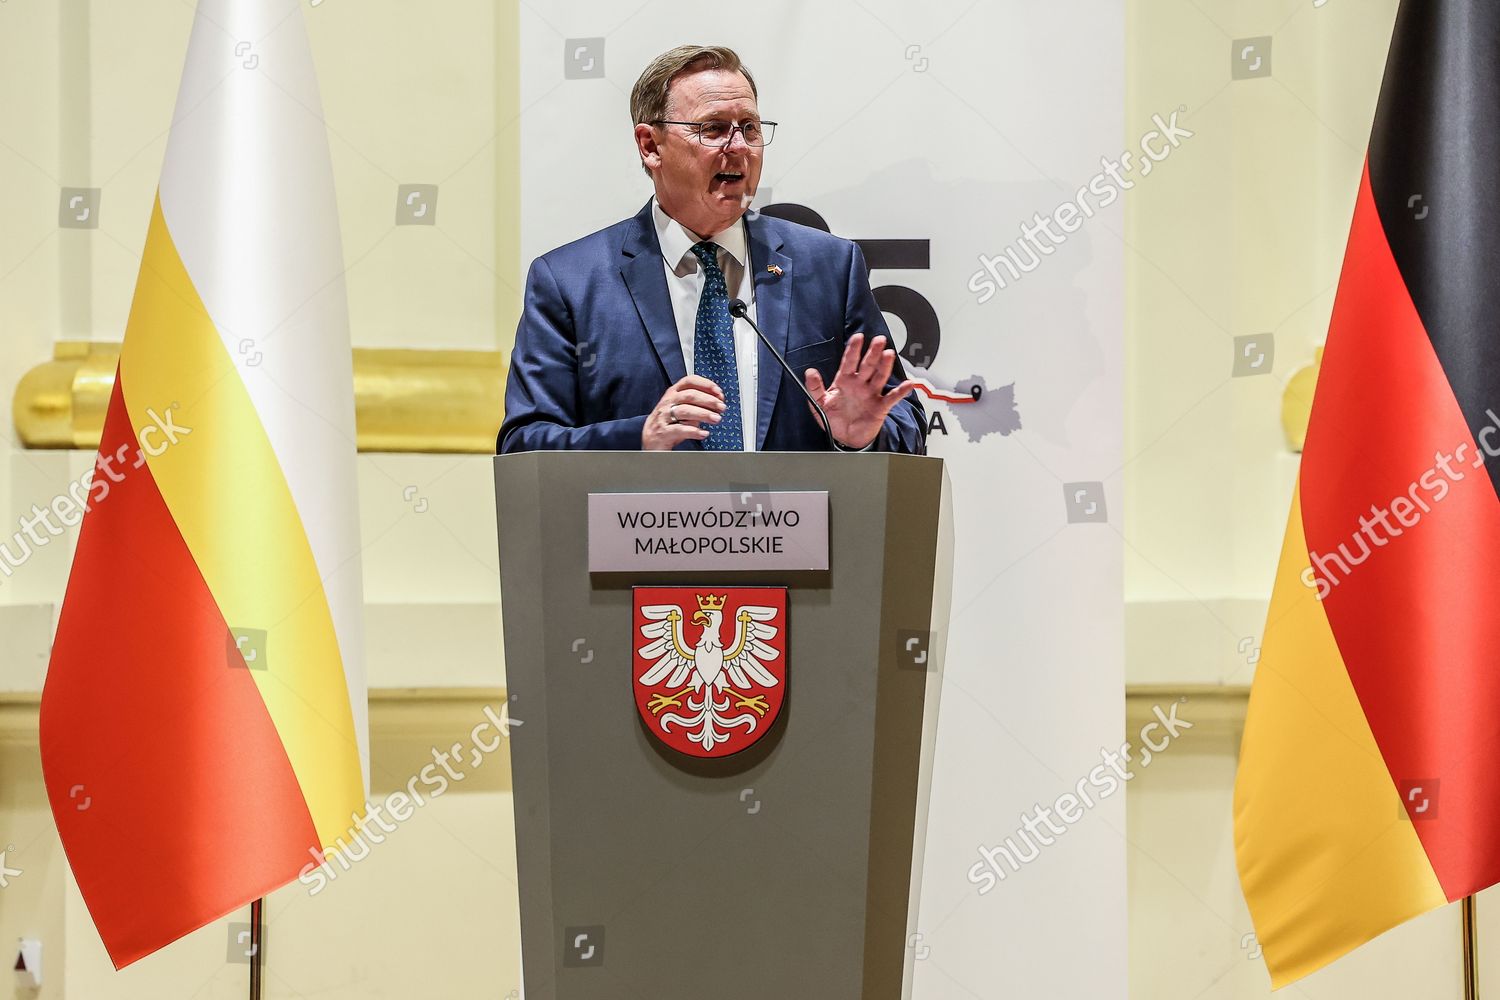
[597, 345]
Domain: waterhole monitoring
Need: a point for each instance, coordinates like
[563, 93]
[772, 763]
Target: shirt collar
[677, 240]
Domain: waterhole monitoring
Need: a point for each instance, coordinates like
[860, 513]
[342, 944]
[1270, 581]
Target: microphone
[739, 310]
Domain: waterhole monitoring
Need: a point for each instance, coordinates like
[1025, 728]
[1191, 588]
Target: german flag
[1368, 791]
[202, 724]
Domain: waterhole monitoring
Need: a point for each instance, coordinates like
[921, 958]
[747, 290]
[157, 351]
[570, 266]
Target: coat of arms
[710, 677]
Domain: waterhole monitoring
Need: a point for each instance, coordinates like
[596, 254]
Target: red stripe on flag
[1417, 618]
[170, 786]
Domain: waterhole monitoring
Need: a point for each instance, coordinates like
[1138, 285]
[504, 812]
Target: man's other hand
[680, 413]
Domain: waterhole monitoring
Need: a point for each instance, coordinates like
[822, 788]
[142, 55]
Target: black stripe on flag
[1435, 173]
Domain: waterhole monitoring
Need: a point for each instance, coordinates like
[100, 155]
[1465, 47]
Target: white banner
[975, 150]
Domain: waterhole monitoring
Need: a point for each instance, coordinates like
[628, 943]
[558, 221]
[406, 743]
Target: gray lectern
[784, 869]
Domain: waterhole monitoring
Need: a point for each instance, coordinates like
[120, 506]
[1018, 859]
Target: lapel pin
[774, 269]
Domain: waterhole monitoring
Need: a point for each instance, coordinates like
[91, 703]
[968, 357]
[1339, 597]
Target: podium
[784, 869]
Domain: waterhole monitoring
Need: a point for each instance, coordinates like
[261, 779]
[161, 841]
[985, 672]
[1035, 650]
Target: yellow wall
[1240, 233]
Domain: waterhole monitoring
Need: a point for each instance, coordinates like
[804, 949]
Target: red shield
[709, 669]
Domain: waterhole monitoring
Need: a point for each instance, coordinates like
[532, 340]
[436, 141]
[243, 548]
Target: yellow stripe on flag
[230, 500]
[1317, 816]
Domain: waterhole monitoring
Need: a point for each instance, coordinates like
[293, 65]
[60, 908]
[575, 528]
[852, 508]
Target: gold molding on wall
[404, 400]
[1213, 709]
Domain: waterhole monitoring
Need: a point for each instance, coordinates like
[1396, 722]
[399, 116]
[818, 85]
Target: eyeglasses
[719, 134]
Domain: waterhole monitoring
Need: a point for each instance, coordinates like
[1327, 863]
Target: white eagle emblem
[708, 690]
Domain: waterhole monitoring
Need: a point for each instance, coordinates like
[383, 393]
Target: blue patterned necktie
[713, 350]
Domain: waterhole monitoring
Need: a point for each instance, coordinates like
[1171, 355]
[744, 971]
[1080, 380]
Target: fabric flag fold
[202, 729]
[1366, 793]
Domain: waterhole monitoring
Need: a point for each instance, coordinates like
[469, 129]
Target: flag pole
[1471, 952]
[257, 940]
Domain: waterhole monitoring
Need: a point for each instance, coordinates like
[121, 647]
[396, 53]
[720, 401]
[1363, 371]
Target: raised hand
[857, 403]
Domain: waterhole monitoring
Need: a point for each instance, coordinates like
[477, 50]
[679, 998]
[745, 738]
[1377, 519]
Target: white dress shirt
[685, 286]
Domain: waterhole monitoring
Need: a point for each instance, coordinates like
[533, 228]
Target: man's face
[705, 189]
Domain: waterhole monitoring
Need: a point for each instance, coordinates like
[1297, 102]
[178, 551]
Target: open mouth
[729, 177]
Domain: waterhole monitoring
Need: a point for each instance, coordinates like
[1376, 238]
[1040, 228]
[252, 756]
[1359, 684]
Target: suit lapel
[647, 280]
[771, 272]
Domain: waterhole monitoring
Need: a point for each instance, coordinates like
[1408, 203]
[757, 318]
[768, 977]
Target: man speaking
[643, 335]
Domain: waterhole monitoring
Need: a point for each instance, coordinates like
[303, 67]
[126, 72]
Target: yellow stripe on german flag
[1327, 857]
